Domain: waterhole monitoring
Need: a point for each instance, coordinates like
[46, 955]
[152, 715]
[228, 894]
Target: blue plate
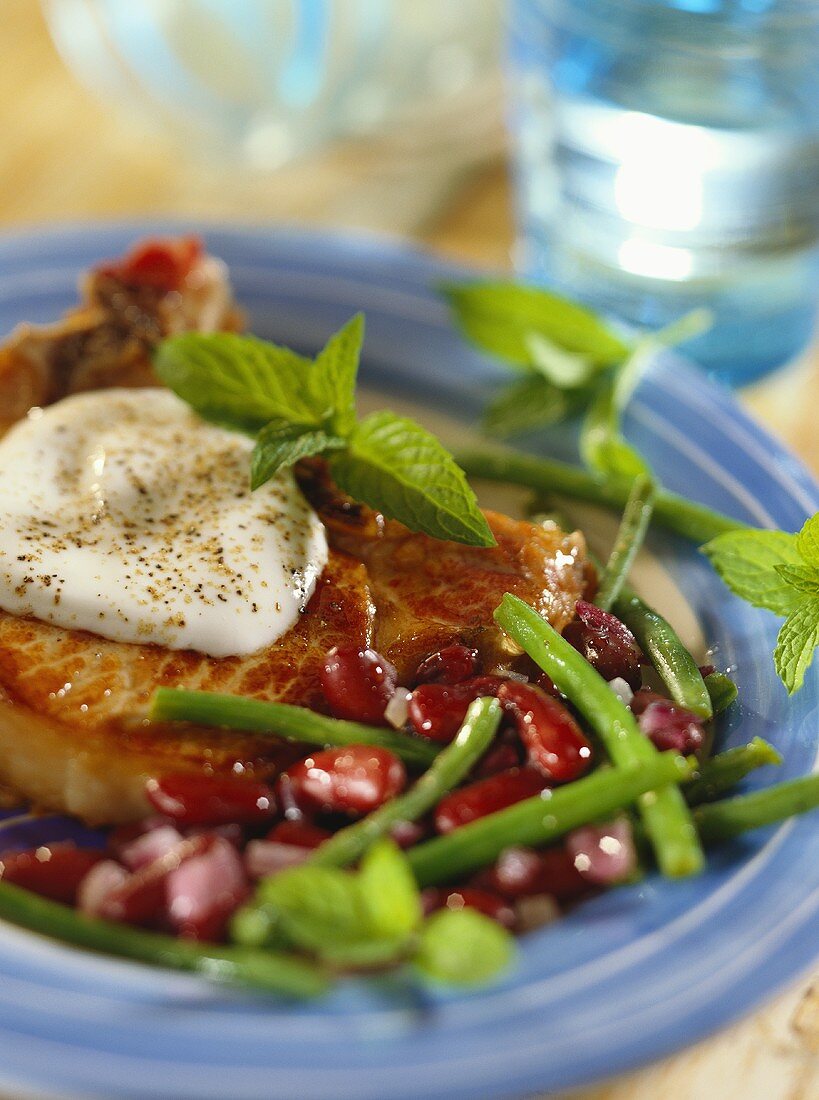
[625, 978]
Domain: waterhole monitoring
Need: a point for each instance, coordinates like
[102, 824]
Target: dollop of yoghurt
[123, 514]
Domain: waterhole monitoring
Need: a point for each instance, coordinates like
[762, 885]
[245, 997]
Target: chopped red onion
[203, 891]
[407, 833]
[603, 854]
[102, 880]
[510, 674]
[397, 708]
[667, 725]
[622, 689]
[268, 857]
[150, 846]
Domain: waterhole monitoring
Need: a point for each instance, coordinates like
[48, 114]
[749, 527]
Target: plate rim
[378, 242]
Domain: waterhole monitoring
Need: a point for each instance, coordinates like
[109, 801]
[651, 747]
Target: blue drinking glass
[667, 157]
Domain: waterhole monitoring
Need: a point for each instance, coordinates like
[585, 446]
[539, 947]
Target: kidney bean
[191, 798]
[353, 780]
[469, 897]
[547, 684]
[606, 643]
[54, 870]
[358, 684]
[524, 872]
[506, 753]
[449, 665]
[437, 711]
[554, 742]
[301, 834]
[486, 796]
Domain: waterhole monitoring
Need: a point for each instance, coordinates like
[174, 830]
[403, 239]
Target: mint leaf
[749, 561]
[807, 541]
[362, 919]
[323, 910]
[239, 382]
[397, 467]
[463, 947]
[805, 578]
[502, 317]
[335, 372]
[527, 403]
[796, 643]
[280, 444]
[317, 906]
[390, 891]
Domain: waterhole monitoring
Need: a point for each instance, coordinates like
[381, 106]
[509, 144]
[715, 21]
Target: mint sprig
[298, 407]
[374, 916]
[571, 359]
[779, 572]
[502, 317]
[238, 381]
[350, 919]
[396, 466]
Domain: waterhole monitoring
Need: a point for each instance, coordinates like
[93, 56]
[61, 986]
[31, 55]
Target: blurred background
[664, 153]
[181, 107]
[649, 156]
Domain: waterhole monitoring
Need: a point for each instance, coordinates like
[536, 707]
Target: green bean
[717, 821]
[262, 970]
[693, 521]
[445, 772]
[540, 820]
[661, 644]
[630, 537]
[725, 770]
[665, 814]
[721, 690]
[209, 708]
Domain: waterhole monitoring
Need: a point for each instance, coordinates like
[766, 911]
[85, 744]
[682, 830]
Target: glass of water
[667, 158]
[259, 83]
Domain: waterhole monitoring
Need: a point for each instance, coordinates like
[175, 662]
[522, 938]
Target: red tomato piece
[162, 263]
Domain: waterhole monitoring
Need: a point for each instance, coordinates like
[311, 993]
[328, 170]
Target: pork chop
[74, 732]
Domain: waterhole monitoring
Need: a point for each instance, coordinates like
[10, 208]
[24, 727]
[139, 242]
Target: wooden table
[64, 156]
